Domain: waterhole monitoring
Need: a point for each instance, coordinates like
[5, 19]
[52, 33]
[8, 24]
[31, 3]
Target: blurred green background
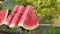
[47, 11]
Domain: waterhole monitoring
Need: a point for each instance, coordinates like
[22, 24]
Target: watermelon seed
[21, 14]
[15, 12]
[12, 15]
[29, 15]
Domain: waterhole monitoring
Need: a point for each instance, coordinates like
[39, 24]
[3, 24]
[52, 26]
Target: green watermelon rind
[9, 4]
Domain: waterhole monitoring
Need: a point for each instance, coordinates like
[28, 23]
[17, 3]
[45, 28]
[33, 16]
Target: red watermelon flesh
[29, 19]
[17, 16]
[10, 17]
[3, 16]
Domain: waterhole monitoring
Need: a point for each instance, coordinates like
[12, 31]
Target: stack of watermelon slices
[22, 17]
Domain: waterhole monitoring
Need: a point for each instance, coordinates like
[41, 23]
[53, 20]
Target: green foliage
[45, 32]
[13, 29]
[52, 29]
[0, 7]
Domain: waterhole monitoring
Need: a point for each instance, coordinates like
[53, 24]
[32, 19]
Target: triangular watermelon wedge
[17, 16]
[29, 20]
[10, 17]
[3, 16]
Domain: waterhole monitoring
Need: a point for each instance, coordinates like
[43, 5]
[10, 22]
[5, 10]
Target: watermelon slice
[29, 20]
[10, 17]
[3, 16]
[17, 16]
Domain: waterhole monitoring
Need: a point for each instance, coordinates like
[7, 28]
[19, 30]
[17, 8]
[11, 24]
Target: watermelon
[29, 20]
[9, 4]
[17, 16]
[10, 17]
[3, 16]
